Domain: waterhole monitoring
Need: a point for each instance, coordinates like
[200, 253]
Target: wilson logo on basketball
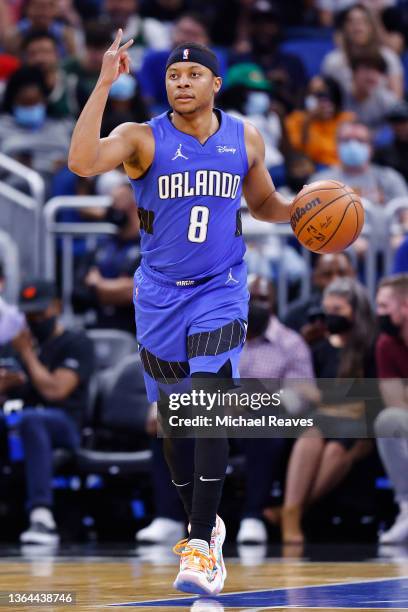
[302, 210]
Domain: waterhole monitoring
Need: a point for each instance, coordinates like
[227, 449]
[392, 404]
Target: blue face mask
[257, 103]
[354, 153]
[30, 116]
[123, 88]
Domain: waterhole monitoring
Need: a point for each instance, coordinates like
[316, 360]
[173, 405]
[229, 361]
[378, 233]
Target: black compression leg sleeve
[210, 465]
[179, 455]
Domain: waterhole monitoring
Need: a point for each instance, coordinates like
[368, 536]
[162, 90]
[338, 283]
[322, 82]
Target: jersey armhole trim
[242, 147]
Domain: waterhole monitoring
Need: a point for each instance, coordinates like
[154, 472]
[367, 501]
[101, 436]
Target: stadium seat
[121, 414]
[310, 51]
[111, 346]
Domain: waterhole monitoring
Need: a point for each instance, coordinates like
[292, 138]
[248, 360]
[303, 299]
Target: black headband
[196, 54]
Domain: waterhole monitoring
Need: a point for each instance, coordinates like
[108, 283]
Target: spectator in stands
[369, 98]
[299, 169]
[190, 27]
[11, 320]
[42, 15]
[147, 32]
[247, 93]
[376, 183]
[83, 72]
[358, 34]
[313, 131]
[124, 104]
[26, 132]
[285, 71]
[306, 316]
[392, 423]
[164, 10]
[268, 354]
[104, 277]
[58, 364]
[39, 49]
[395, 155]
[320, 459]
[387, 13]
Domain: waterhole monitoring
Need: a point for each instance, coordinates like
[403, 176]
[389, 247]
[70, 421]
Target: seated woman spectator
[313, 131]
[26, 132]
[388, 15]
[320, 461]
[358, 35]
[42, 15]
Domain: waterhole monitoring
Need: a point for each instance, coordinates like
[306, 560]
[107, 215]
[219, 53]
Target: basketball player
[188, 168]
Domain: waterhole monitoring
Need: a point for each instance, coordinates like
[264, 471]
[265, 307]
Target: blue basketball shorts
[186, 329]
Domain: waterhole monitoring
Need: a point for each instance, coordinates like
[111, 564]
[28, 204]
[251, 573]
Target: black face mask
[337, 324]
[115, 216]
[387, 326]
[42, 330]
[258, 319]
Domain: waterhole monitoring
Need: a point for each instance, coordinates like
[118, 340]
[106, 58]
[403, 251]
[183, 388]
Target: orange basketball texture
[327, 216]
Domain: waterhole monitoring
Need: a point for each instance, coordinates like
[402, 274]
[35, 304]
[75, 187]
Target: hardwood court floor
[141, 579]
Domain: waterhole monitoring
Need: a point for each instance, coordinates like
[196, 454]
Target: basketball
[327, 216]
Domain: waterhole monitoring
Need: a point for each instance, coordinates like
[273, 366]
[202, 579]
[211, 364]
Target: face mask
[257, 103]
[354, 153]
[337, 324]
[123, 88]
[115, 216]
[30, 116]
[387, 326]
[258, 319]
[42, 330]
[311, 103]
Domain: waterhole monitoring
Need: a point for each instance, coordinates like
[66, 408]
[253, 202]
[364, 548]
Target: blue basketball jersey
[189, 200]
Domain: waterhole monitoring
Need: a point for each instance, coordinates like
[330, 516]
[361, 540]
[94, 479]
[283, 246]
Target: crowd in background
[338, 111]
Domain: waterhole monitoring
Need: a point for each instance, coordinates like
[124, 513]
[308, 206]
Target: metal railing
[11, 263]
[378, 228]
[68, 232]
[33, 202]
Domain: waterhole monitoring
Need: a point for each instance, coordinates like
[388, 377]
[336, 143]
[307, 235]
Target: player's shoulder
[132, 130]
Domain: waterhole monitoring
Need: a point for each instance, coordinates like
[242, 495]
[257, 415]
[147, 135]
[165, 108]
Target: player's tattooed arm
[263, 201]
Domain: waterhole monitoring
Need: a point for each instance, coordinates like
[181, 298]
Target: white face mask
[257, 103]
[311, 102]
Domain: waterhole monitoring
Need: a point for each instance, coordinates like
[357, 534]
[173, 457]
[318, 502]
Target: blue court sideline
[387, 593]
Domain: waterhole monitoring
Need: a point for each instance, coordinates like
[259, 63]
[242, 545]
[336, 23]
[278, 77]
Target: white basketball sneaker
[213, 573]
[199, 572]
[398, 532]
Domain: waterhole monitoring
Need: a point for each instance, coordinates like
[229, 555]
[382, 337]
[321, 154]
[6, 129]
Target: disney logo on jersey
[225, 149]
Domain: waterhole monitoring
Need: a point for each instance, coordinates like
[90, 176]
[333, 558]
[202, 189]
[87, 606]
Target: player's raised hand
[116, 60]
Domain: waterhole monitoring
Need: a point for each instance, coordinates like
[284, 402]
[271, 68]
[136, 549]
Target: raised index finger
[118, 38]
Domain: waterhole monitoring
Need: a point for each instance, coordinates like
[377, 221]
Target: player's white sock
[44, 516]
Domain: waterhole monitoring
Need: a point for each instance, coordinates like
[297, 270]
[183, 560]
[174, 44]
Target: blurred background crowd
[325, 82]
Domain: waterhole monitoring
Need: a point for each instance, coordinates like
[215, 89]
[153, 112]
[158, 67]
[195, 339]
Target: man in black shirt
[58, 364]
